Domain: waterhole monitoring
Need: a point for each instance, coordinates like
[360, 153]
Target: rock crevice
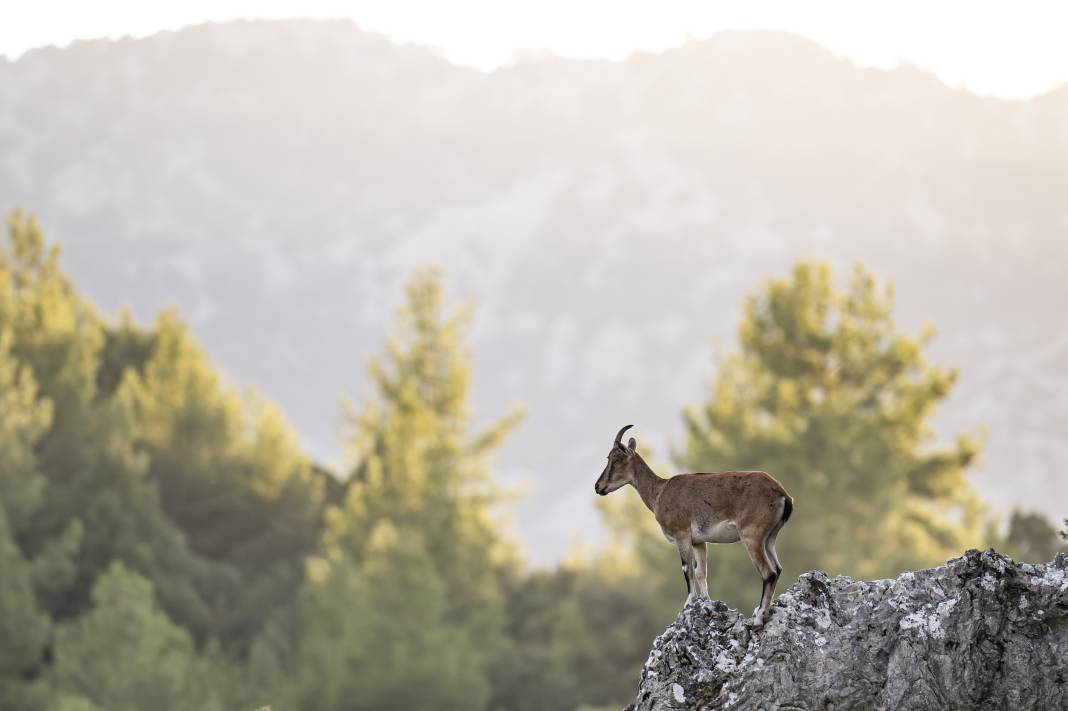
[981, 631]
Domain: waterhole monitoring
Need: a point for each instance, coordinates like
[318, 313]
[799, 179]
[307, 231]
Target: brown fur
[753, 500]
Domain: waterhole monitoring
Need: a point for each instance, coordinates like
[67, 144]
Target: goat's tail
[787, 508]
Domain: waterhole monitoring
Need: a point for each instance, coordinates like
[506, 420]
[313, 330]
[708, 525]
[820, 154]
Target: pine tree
[419, 508]
[827, 396]
[148, 458]
[24, 627]
[230, 476]
[417, 465]
[95, 501]
[125, 655]
[376, 634]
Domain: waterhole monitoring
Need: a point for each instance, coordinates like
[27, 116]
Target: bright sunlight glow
[1014, 50]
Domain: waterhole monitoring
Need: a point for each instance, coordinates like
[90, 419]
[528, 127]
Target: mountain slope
[278, 181]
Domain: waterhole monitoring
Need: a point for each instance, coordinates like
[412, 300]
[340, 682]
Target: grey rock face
[980, 632]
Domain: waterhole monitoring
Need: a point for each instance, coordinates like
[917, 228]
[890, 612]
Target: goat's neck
[647, 483]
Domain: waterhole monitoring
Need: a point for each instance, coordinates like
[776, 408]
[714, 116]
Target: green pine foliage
[121, 445]
[24, 420]
[24, 627]
[402, 607]
[378, 635]
[230, 475]
[165, 544]
[126, 655]
[828, 396]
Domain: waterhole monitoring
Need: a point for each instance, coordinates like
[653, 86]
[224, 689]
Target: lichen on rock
[981, 631]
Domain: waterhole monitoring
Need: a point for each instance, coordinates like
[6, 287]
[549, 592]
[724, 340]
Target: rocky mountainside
[980, 632]
[278, 181]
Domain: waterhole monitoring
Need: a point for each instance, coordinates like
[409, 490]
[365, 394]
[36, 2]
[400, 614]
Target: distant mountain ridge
[278, 181]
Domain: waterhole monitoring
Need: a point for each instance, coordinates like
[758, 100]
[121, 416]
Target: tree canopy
[827, 395]
[166, 544]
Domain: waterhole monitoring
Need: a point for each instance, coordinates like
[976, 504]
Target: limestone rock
[980, 632]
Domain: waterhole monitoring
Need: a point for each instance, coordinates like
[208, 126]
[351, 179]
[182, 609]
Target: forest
[166, 544]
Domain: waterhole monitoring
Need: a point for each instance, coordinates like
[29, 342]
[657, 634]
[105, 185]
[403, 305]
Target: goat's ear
[632, 445]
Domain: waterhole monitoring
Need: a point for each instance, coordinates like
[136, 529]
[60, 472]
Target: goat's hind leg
[769, 575]
[769, 547]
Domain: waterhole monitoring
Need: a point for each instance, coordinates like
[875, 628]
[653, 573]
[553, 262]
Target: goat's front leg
[700, 559]
[686, 555]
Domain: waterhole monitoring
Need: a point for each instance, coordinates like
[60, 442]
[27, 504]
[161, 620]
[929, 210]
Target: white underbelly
[725, 531]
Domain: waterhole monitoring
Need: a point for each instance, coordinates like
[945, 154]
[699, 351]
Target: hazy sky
[1012, 49]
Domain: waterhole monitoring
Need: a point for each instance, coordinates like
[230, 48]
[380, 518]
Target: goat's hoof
[760, 617]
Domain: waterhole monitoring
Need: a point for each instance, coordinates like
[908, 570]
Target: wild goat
[695, 509]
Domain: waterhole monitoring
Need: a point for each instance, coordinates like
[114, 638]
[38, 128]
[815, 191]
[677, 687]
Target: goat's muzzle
[601, 485]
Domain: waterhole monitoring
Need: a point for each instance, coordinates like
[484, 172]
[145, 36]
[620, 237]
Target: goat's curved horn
[619, 436]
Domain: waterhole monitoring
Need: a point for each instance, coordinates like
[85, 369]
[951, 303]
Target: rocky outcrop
[980, 632]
